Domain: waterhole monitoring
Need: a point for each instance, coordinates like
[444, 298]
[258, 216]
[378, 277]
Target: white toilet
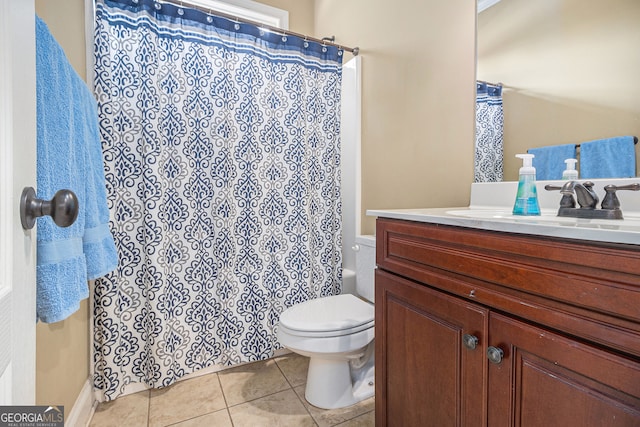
[336, 333]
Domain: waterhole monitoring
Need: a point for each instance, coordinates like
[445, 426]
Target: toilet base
[335, 383]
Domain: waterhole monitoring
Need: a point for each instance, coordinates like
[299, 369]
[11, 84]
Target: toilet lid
[332, 313]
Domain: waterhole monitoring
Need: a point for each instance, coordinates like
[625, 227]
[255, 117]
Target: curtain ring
[306, 43]
[180, 9]
[210, 17]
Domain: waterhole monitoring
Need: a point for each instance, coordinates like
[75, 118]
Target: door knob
[63, 208]
[495, 354]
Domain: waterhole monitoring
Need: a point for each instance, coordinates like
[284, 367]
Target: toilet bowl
[337, 334]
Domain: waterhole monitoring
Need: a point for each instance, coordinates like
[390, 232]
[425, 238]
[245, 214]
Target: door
[430, 356]
[545, 379]
[17, 170]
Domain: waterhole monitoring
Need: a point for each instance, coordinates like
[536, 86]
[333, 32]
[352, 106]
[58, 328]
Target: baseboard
[83, 408]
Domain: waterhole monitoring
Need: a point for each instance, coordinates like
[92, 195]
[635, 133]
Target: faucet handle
[567, 200]
[611, 201]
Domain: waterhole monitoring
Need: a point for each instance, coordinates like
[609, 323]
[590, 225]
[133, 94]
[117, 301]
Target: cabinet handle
[470, 341]
[495, 354]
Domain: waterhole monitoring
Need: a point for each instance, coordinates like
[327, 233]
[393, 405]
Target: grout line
[282, 372]
[301, 399]
[226, 404]
[148, 407]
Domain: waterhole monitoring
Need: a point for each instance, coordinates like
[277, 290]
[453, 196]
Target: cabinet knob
[470, 341]
[495, 354]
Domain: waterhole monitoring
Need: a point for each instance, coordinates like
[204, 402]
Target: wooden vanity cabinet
[559, 319]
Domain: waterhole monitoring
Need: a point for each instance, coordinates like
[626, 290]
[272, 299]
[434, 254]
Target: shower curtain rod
[327, 41]
[489, 83]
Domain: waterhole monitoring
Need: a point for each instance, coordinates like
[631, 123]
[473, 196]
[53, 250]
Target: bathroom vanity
[505, 323]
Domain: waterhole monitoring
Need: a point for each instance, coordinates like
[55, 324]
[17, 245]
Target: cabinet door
[425, 375]
[545, 379]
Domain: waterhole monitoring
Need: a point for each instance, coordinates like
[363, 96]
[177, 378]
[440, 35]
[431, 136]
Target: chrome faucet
[587, 197]
[588, 200]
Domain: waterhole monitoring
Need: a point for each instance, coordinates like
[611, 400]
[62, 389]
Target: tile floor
[267, 393]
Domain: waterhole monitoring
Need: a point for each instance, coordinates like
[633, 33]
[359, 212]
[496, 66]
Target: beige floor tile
[364, 420]
[251, 381]
[331, 417]
[131, 410]
[294, 367]
[217, 419]
[185, 400]
[282, 409]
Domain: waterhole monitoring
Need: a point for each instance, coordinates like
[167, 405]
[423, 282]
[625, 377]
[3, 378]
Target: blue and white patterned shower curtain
[489, 133]
[221, 145]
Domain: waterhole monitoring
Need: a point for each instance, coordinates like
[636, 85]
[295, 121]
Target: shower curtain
[489, 131]
[222, 159]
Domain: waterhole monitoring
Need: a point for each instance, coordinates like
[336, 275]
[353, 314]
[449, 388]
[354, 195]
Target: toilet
[336, 333]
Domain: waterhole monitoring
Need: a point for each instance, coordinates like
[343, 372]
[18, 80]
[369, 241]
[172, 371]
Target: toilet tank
[365, 265]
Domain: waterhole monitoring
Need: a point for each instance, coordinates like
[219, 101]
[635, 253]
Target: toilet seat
[329, 316]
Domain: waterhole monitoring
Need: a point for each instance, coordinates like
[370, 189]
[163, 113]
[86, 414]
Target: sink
[481, 213]
[630, 223]
[503, 214]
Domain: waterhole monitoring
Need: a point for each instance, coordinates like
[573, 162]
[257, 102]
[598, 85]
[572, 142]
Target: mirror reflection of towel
[608, 158]
[549, 161]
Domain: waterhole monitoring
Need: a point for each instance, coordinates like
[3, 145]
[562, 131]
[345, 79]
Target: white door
[17, 170]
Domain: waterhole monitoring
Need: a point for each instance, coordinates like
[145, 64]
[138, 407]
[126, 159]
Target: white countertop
[488, 212]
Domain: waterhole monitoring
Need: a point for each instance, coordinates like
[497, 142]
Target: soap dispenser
[527, 197]
[570, 173]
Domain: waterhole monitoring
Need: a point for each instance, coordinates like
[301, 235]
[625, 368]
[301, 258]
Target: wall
[300, 13]
[62, 349]
[418, 97]
[570, 70]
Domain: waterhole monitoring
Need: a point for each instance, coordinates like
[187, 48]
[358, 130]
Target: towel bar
[63, 208]
[635, 142]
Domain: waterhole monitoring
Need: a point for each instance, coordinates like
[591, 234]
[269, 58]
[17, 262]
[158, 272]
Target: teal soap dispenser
[527, 197]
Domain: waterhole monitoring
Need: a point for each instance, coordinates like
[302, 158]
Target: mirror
[570, 71]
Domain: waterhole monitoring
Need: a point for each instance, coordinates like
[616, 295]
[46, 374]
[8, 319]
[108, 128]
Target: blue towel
[98, 245]
[549, 161]
[68, 156]
[608, 158]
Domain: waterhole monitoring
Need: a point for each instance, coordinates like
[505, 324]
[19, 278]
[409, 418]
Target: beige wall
[418, 97]
[62, 349]
[570, 70]
[65, 19]
[300, 13]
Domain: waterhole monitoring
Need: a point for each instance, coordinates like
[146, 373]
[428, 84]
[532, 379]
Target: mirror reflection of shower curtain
[489, 133]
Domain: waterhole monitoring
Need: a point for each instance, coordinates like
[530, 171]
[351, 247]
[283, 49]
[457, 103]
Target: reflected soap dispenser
[570, 173]
[527, 196]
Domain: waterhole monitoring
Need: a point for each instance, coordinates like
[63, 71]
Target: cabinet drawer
[586, 289]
